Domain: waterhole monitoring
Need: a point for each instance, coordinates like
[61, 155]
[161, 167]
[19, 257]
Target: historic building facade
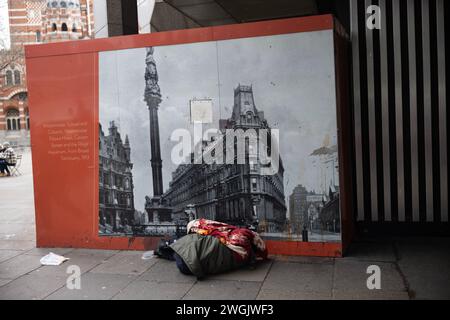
[304, 209]
[116, 200]
[33, 22]
[327, 166]
[326, 163]
[298, 208]
[233, 193]
[329, 216]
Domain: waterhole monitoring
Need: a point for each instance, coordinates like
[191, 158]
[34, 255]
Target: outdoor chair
[14, 168]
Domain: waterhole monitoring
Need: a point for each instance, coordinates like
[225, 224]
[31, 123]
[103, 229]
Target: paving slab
[30, 287]
[166, 271]
[153, 290]
[83, 261]
[14, 229]
[44, 251]
[426, 267]
[223, 290]
[129, 263]
[299, 259]
[372, 251]
[23, 245]
[350, 276]
[4, 282]
[18, 266]
[26, 235]
[16, 216]
[269, 294]
[299, 277]
[258, 273]
[94, 287]
[8, 254]
[96, 252]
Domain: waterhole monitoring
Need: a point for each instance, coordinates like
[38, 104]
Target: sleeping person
[212, 247]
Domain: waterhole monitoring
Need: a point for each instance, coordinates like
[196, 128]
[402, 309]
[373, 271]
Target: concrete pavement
[411, 268]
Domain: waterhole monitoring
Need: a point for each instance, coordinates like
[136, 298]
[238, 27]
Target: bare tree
[10, 56]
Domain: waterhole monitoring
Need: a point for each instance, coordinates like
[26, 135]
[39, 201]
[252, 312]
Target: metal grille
[34, 9]
[400, 90]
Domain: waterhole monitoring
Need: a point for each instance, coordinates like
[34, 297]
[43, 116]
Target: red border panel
[297, 248]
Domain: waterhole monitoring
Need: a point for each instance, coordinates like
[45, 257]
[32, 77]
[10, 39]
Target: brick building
[33, 22]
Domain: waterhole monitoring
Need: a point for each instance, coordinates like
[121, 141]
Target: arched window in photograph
[249, 117]
[64, 27]
[74, 28]
[16, 77]
[54, 27]
[9, 78]
[12, 120]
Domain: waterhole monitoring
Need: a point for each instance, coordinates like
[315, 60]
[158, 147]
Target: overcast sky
[4, 23]
[293, 83]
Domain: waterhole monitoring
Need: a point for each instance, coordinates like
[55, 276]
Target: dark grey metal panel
[385, 113]
[440, 27]
[372, 122]
[425, 64]
[427, 109]
[414, 156]
[399, 109]
[357, 110]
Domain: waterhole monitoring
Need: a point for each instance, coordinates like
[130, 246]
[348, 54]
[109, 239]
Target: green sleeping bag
[205, 255]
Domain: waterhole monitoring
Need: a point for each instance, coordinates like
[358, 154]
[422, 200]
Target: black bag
[164, 250]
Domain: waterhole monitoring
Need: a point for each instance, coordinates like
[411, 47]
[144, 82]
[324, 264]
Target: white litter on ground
[53, 259]
[148, 255]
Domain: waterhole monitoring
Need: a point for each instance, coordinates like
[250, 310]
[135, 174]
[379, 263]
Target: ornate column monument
[156, 207]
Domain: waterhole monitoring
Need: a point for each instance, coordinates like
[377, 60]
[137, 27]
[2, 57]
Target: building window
[64, 27]
[27, 119]
[118, 181]
[16, 77]
[38, 36]
[106, 179]
[9, 78]
[74, 28]
[12, 120]
[54, 27]
[249, 117]
[254, 184]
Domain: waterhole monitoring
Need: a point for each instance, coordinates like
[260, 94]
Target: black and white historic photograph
[240, 131]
